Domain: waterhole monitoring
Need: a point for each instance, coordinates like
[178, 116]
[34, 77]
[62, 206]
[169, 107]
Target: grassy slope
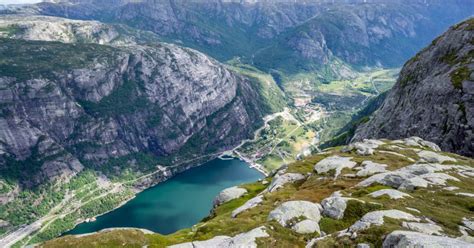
[274, 98]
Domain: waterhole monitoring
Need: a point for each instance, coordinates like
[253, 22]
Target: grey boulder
[229, 194]
[399, 239]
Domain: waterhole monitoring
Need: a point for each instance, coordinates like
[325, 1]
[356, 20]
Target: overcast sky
[19, 1]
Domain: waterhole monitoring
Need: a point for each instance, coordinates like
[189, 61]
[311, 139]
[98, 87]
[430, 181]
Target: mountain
[96, 109]
[433, 97]
[284, 35]
[45, 28]
[376, 193]
[83, 101]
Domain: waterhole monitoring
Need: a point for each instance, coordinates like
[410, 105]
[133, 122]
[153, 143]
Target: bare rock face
[92, 102]
[434, 96]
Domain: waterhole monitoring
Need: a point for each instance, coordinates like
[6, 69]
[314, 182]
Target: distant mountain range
[283, 35]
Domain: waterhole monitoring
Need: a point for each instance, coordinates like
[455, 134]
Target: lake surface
[178, 203]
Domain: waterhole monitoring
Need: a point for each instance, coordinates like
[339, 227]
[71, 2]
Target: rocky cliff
[434, 96]
[70, 105]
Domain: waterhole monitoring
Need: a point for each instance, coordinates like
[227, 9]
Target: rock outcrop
[399, 239]
[427, 228]
[280, 180]
[377, 218]
[365, 147]
[433, 157]
[289, 214]
[368, 168]
[412, 177]
[247, 239]
[229, 194]
[391, 193]
[433, 97]
[248, 205]
[334, 163]
[334, 206]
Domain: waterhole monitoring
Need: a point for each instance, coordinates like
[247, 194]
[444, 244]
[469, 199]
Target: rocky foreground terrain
[374, 193]
[434, 96]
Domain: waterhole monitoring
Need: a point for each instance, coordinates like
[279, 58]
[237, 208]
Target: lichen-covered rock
[280, 180]
[376, 218]
[370, 168]
[306, 227]
[392, 193]
[334, 206]
[413, 210]
[426, 228]
[288, 211]
[433, 157]
[419, 142]
[412, 176]
[363, 148]
[402, 239]
[248, 205]
[229, 194]
[468, 223]
[247, 239]
[465, 194]
[336, 163]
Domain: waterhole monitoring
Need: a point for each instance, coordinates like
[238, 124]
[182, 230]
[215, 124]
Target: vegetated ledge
[367, 191]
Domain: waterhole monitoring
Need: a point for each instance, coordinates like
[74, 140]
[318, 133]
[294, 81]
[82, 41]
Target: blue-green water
[177, 203]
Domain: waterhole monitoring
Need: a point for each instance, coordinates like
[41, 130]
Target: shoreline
[137, 191]
[168, 173]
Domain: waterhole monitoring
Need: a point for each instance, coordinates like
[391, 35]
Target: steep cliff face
[434, 96]
[65, 106]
